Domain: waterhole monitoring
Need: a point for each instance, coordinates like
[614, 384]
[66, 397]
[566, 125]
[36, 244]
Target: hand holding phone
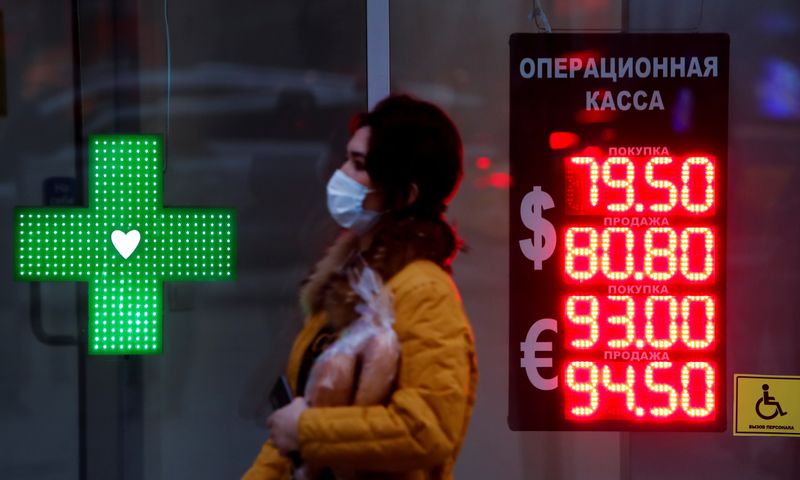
[279, 397]
[281, 394]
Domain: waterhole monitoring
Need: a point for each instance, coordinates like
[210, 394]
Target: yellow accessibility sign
[766, 405]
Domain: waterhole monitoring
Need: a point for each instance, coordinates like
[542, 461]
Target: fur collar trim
[395, 243]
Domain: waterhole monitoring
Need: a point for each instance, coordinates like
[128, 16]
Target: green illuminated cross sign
[125, 244]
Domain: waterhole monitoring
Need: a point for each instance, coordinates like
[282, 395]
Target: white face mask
[346, 203]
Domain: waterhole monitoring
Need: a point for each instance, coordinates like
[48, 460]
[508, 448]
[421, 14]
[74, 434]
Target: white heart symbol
[125, 243]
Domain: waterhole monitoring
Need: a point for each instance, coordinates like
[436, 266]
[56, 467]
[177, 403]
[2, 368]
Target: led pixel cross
[125, 244]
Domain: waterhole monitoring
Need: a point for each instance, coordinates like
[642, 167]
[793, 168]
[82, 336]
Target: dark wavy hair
[412, 142]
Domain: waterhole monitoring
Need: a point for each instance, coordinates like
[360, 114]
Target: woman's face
[355, 167]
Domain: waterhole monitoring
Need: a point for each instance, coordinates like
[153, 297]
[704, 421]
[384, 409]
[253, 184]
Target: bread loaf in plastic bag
[359, 368]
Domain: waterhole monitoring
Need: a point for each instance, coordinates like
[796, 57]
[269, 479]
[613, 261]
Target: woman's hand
[284, 426]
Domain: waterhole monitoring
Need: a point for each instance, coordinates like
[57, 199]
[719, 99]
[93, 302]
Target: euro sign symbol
[530, 362]
[541, 246]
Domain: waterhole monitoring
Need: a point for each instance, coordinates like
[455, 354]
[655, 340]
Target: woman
[403, 165]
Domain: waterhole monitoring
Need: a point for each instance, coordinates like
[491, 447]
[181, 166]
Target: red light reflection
[595, 116]
[499, 180]
[483, 163]
[562, 140]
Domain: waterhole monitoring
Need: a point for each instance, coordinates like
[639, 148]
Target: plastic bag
[369, 343]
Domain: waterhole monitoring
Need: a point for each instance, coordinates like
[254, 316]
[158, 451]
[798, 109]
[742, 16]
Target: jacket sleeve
[269, 465]
[425, 419]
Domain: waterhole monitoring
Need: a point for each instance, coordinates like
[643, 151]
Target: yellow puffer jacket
[419, 433]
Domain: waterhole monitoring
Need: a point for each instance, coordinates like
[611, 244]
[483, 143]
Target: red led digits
[708, 392]
[627, 319]
[625, 184]
[640, 327]
[671, 313]
[589, 369]
[660, 390]
[656, 254]
[591, 304]
[709, 325]
[594, 176]
[626, 388]
[640, 323]
[661, 184]
[653, 386]
[625, 269]
[708, 190]
[581, 262]
[689, 245]
[664, 253]
[636, 185]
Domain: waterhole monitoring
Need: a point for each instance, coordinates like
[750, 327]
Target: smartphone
[281, 394]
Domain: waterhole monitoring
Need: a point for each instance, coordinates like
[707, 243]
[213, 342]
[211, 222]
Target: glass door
[252, 100]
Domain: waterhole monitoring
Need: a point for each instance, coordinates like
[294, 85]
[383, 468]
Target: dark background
[540, 106]
[261, 94]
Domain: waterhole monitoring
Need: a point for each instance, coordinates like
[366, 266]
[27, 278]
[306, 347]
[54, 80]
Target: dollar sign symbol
[541, 246]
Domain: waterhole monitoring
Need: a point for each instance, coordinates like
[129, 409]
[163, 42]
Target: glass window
[456, 53]
[253, 100]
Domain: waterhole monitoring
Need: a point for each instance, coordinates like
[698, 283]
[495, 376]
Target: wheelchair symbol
[768, 400]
